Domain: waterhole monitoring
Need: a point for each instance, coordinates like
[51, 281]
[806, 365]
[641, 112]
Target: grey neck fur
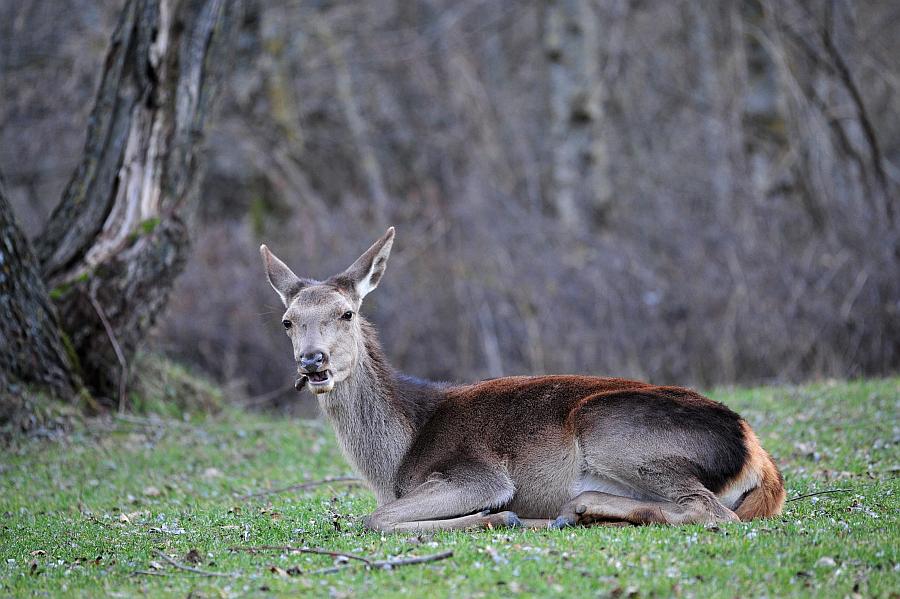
[372, 431]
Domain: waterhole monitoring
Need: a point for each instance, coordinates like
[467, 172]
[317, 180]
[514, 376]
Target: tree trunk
[579, 189]
[32, 346]
[114, 245]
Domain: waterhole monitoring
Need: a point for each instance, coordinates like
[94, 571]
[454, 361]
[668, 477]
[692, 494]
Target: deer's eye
[348, 315]
[286, 323]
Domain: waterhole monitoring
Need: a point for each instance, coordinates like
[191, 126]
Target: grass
[82, 512]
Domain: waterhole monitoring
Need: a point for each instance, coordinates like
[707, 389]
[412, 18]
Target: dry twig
[263, 398]
[799, 497]
[120, 355]
[313, 550]
[190, 568]
[408, 561]
[369, 563]
[391, 563]
[307, 485]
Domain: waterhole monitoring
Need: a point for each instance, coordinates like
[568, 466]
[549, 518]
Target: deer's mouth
[319, 382]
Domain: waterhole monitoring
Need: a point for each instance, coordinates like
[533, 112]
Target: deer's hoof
[503, 519]
[563, 522]
[512, 520]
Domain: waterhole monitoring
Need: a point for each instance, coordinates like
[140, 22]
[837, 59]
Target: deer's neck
[376, 413]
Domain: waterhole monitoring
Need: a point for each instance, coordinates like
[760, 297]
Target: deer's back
[504, 417]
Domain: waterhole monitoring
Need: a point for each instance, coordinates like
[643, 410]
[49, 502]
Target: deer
[521, 451]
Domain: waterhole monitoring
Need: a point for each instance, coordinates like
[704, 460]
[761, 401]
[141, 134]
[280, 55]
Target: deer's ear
[282, 279]
[364, 275]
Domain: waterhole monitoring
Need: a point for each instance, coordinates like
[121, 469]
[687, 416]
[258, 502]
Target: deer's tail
[760, 483]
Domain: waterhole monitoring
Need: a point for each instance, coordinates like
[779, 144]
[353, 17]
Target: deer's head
[321, 317]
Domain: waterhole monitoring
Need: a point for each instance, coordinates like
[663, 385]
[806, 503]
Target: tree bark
[579, 188]
[32, 346]
[114, 245]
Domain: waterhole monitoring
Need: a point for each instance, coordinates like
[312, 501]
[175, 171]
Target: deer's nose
[313, 360]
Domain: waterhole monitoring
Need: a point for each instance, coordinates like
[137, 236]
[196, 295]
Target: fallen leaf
[152, 491]
[193, 557]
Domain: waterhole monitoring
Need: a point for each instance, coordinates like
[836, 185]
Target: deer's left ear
[364, 275]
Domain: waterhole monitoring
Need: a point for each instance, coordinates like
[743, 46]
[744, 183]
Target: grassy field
[94, 511]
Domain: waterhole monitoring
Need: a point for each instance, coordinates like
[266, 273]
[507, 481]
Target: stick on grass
[190, 568]
[349, 480]
[312, 550]
[390, 563]
[799, 497]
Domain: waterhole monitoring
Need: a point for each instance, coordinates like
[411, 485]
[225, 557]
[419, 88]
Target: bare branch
[350, 480]
[120, 355]
[799, 497]
[311, 550]
[408, 561]
[192, 569]
[391, 563]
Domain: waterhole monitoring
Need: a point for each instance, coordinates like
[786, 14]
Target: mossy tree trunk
[32, 346]
[118, 238]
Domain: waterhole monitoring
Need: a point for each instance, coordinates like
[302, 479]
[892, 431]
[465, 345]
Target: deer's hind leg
[458, 500]
[597, 507]
[670, 494]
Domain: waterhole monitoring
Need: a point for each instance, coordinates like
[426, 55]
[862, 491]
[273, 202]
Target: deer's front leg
[459, 500]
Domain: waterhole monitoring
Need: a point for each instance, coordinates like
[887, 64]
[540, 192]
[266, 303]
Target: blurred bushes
[752, 232]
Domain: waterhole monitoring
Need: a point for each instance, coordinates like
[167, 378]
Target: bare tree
[579, 190]
[117, 240]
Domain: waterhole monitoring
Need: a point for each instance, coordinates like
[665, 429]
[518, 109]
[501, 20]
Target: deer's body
[547, 449]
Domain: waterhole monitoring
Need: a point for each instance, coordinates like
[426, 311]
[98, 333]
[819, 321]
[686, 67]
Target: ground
[85, 513]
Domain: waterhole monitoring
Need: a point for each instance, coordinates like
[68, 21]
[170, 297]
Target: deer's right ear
[282, 279]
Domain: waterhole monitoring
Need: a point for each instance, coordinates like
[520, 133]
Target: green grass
[80, 514]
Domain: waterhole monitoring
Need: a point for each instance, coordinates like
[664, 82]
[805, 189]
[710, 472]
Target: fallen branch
[311, 550]
[191, 569]
[369, 563]
[303, 486]
[799, 497]
[148, 573]
[408, 561]
[390, 563]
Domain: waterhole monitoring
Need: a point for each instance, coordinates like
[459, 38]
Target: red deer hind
[518, 451]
